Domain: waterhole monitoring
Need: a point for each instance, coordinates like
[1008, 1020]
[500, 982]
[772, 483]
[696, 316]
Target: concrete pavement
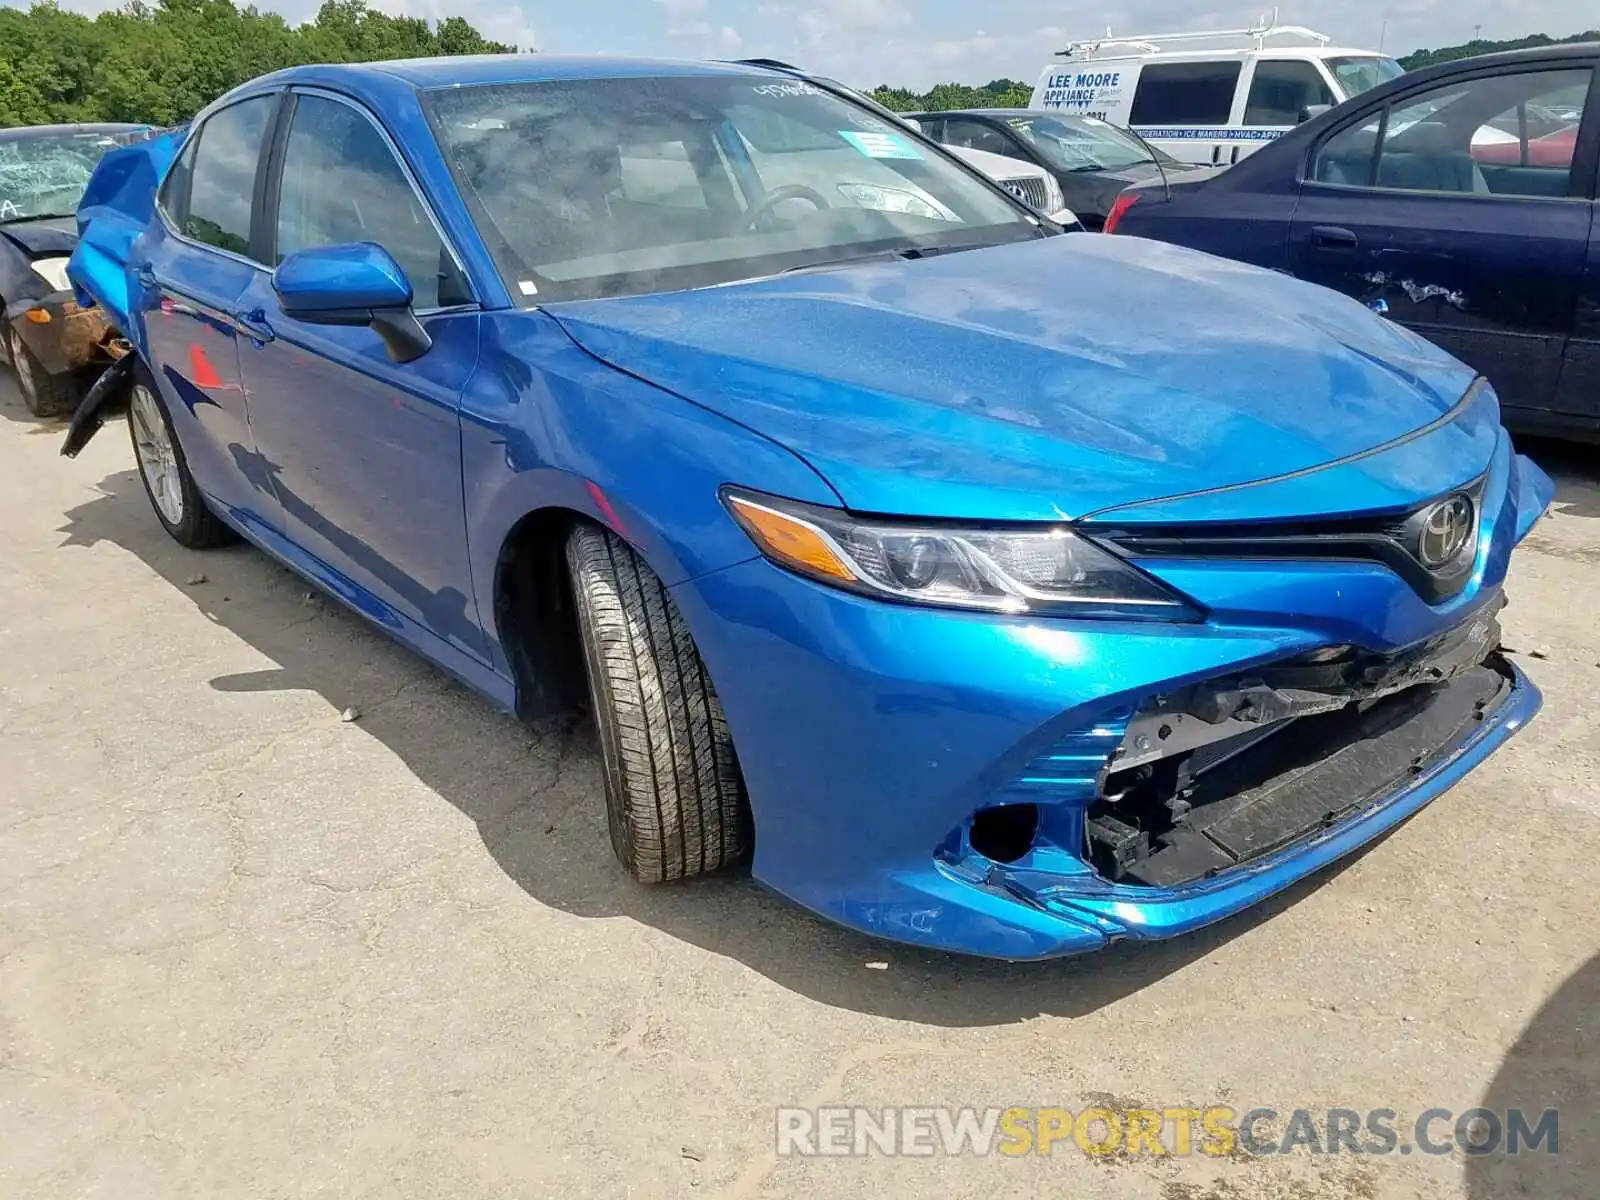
[248, 949]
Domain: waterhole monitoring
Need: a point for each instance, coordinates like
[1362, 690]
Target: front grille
[1030, 191]
[1389, 539]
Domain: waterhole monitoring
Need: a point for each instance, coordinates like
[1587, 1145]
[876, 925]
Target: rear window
[1185, 93]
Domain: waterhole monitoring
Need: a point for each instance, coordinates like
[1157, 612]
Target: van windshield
[1081, 143]
[602, 187]
[1356, 75]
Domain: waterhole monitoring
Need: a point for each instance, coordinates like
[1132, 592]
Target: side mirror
[354, 284]
[1312, 110]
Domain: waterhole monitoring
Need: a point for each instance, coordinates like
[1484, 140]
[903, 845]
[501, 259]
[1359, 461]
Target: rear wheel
[173, 493]
[675, 801]
[45, 395]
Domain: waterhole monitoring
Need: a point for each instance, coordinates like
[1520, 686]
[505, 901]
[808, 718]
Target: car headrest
[1426, 137]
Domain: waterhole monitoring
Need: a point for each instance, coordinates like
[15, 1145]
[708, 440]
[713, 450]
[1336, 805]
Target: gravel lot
[248, 949]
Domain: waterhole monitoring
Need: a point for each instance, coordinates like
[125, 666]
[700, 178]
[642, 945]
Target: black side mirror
[1311, 111]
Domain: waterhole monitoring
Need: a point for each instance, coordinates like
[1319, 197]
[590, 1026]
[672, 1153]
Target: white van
[1209, 106]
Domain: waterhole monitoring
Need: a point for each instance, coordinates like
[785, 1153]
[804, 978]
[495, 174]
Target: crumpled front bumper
[870, 733]
[62, 334]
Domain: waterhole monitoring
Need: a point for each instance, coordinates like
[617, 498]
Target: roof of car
[518, 68]
[22, 131]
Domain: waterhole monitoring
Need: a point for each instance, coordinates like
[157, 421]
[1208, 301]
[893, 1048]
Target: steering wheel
[758, 212]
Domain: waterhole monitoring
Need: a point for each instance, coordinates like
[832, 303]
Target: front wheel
[675, 800]
[173, 493]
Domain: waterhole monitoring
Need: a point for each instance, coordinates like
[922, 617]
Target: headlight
[1052, 190]
[53, 271]
[1011, 570]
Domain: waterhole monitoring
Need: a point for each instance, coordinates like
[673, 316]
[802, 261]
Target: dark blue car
[998, 590]
[1460, 199]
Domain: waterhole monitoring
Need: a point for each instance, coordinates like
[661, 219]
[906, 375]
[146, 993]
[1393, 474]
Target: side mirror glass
[358, 283]
[1311, 111]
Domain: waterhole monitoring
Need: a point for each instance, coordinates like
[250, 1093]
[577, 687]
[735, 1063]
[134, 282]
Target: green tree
[163, 60]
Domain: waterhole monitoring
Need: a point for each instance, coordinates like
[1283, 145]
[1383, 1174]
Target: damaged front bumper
[950, 779]
[62, 334]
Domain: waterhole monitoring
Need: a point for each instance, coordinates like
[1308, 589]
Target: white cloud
[730, 40]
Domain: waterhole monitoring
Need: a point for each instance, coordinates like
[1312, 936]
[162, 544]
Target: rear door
[190, 270]
[1578, 391]
[1435, 205]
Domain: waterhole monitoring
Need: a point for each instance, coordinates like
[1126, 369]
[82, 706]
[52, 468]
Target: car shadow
[550, 837]
[12, 409]
[1555, 1064]
[1575, 467]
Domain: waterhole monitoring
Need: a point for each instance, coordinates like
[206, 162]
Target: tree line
[162, 62]
[1426, 58]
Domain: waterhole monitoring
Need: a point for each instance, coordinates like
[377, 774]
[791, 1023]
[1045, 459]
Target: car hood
[43, 236]
[1041, 380]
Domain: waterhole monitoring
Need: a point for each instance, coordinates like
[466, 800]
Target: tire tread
[673, 787]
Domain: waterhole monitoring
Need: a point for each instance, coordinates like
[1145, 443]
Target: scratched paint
[1418, 292]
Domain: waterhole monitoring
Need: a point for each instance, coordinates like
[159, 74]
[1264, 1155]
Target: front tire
[173, 493]
[675, 800]
[45, 395]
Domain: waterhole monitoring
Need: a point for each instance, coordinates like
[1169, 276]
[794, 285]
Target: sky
[917, 43]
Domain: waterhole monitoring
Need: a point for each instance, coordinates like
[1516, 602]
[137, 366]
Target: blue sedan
[1459, 199]
[987, 589]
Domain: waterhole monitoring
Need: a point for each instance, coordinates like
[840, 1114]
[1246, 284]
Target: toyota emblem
[1446, 528]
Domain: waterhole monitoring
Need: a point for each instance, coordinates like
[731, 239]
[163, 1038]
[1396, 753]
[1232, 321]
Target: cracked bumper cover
[892, 725]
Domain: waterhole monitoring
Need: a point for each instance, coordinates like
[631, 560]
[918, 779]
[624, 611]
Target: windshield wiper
[852, 259]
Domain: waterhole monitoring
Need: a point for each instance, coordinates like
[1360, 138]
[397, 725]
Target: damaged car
[46, 337]
[982, 587]
[1458, 199]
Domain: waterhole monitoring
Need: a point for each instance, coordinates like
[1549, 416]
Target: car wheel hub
[19, 360]
[158, 459]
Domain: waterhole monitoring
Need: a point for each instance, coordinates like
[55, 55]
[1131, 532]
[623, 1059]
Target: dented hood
[42, 236]
[1043, 380]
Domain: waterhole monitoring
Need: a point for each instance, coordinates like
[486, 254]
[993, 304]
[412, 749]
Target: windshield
[1356, 75]
[603, 187]
[45, 174]
[1081, 143]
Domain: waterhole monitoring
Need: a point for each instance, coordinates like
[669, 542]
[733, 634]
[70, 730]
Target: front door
[364, 452]
[192, 267]
[1452, 208]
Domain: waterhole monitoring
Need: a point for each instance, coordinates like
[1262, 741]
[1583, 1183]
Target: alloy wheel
[158, 460]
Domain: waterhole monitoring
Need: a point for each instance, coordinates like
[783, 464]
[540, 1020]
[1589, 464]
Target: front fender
[546, 425]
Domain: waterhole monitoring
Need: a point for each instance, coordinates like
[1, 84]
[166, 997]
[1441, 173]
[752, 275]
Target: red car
[1552, 150]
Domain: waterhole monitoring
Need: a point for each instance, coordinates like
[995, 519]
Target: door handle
[254, 325]
[1332, 237]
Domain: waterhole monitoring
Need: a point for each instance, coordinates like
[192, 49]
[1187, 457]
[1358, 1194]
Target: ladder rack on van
[1151, 43]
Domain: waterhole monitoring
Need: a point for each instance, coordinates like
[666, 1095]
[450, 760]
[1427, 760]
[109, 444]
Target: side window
[341, 183]
[1281, 89]
[1185, 93]
[975, 135]
[1498, 135]
[661, 173]
[174, 195]
[222, 174]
